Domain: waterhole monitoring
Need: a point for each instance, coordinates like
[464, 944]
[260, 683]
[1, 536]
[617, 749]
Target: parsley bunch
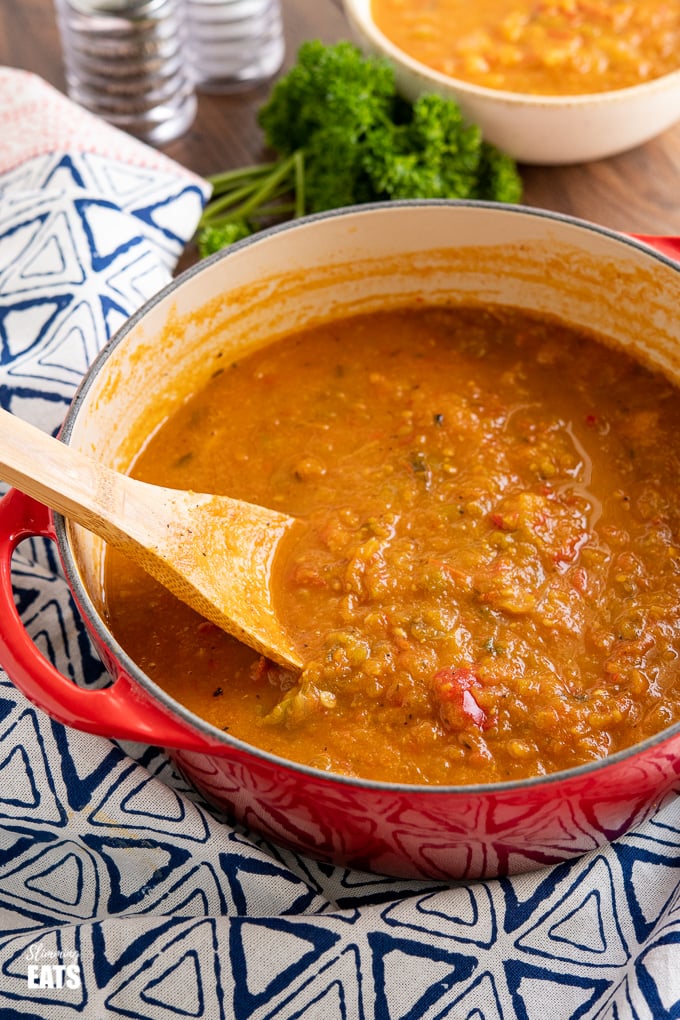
[343, 136]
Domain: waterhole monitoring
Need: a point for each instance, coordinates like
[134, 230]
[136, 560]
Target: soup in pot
[485, 584]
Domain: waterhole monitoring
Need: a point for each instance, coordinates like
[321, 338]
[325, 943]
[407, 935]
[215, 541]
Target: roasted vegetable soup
[551, 47]
[485, 582]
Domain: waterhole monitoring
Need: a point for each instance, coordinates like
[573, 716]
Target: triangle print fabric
[92, 223]
[122, 894]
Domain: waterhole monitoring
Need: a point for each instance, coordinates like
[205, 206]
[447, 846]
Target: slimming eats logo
[52, 968]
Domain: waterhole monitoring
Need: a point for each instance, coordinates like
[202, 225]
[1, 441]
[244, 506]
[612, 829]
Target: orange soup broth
[551, 47]
[484, 581]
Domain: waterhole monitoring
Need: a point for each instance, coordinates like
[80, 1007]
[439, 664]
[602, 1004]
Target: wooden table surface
[638, 191]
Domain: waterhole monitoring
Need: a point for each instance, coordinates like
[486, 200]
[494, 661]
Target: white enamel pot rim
[499, 221]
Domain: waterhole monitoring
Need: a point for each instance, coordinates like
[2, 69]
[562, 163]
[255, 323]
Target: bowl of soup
[472, 412]
[550, 83]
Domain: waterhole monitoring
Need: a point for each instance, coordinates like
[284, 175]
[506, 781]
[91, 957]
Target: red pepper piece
[454, 687]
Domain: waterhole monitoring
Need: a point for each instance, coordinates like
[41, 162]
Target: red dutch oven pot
[345, 261]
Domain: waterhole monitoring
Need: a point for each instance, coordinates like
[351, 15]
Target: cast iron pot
[351, 260]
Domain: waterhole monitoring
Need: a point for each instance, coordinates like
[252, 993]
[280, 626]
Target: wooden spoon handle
[112, 505]
[64, 479]
[213, 552]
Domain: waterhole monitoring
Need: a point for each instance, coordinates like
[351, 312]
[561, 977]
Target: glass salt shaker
[234, 44]
[125, 60]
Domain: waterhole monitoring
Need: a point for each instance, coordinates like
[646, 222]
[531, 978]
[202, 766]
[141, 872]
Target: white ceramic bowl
[547, 130]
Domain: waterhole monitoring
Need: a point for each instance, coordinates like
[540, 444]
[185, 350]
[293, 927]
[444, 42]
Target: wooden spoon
[212, 552]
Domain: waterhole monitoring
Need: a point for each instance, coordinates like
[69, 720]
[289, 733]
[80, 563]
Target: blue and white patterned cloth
[121, 893]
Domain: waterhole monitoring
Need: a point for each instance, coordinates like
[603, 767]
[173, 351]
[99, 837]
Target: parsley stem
[272, 185]
[260, 185]
[212, 211]
[299, 160]
[223, 181]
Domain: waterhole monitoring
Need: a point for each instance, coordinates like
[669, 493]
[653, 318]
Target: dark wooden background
[638, 191]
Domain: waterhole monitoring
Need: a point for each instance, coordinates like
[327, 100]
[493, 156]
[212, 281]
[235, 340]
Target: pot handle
[121, 710]
[666, 245]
